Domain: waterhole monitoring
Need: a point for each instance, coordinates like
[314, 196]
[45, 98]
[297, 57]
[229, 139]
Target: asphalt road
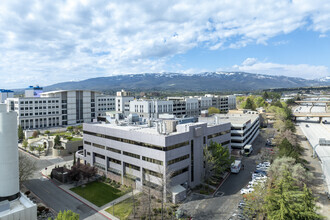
[224, 204]
[59, 200]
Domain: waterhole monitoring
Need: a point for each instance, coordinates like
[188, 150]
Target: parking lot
[224, 204]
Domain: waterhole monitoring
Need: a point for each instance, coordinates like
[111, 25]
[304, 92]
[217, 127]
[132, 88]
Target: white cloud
[52, 41]
[252, 65]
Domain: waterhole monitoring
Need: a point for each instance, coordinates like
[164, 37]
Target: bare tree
[147, 191]
[26, 168]
[165, 186]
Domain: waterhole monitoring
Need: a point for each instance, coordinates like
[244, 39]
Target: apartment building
[4, 94]
[60, 108]
[244, 126]
[144, 152]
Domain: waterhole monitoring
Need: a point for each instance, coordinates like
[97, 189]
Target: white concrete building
[33, 91]
[13, 204]
[122, 104]
[244, 127]
[150, 108]
[4, 94]
[144, 152]
[60, 108]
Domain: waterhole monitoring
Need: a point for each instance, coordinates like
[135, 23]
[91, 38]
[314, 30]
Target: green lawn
[123, 209]
[76, 139]
[98, 193]
[61, 134]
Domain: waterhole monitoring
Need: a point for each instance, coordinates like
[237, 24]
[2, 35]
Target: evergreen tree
[20, 133]
[57, 141]
[67, 215]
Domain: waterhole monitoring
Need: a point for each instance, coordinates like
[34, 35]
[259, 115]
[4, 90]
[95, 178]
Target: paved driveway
[224, 204]
[59, 200]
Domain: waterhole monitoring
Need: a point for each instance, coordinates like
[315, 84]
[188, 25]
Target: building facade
[4, 94]
[244, 126]
[145, 153]
[60, 108]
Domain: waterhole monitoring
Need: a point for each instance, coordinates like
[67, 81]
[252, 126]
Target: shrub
[27, 192]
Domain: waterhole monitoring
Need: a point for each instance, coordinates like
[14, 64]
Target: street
[54, 197]
[224, 204]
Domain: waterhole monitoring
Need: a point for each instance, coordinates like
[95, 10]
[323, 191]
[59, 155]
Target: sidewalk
[67, 187]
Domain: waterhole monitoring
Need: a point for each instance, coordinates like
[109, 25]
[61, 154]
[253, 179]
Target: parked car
[307, 126]
[248, 149]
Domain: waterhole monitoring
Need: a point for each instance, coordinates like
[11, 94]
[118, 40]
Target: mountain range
[206, 81]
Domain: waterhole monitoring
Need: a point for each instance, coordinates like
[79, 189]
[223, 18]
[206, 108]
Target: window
[139, 143]
[178, 159]
[131, 155]
[151, 160]
[178, 172]
[153, 173]
[192, 160]
[99, 146]
[99, 156]
[112, 160]
[132, 166]
[218, 134]
[88, 143]
[114, 150]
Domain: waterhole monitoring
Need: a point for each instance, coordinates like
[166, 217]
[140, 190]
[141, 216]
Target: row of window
[153, 173]
[39, 113]
[44, 101]
[217, 134]
[151, 160]
[176, 160]
[139, 143]
[41, 107]
[131, 155]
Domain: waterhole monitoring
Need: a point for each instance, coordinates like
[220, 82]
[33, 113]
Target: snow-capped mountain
[206, 81]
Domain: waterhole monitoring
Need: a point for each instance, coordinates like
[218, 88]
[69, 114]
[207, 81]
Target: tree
[285, 200]
[209, 164]
[27, 167]
[213, 110]
[47, 132]
[248, 104]
[265, 95]
[255, 201]
[222, 157]
[31, 147]
[35, 134]
[260, 102]
[164, 186]
[39, 148]
[67, 215]
[288, 150]
[70, 128]
[20, 133]
[25, 144]
[57, 141]
[299, 173]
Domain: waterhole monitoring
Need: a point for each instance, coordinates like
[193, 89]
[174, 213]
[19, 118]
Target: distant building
[33, 91]
[4, 94]
[60, 108]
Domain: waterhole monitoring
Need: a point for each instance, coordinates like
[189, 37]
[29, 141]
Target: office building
[33, 91]
[4, 94]
[60, 108]
[244, 126]
[143, 152]
[150, 108]
[13, 204]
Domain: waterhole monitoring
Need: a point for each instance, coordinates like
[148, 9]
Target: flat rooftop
[234, 119]
[144, 128]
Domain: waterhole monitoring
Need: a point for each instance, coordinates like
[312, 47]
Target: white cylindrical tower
[9, 173]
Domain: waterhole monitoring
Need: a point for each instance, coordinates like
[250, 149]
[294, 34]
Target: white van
[236, 166]
[248, 149]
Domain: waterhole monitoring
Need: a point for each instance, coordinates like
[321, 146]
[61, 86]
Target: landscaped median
[100, 193]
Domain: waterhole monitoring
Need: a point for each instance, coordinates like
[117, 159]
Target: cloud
[53, 41]
[252, 65]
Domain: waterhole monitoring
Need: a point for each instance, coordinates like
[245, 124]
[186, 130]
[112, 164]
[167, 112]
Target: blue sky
[45, 42]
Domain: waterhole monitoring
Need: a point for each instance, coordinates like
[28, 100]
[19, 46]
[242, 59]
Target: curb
[228, 174]
[76, 197]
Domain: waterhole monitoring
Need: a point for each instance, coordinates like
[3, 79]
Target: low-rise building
[244, 126]
[146, 152]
